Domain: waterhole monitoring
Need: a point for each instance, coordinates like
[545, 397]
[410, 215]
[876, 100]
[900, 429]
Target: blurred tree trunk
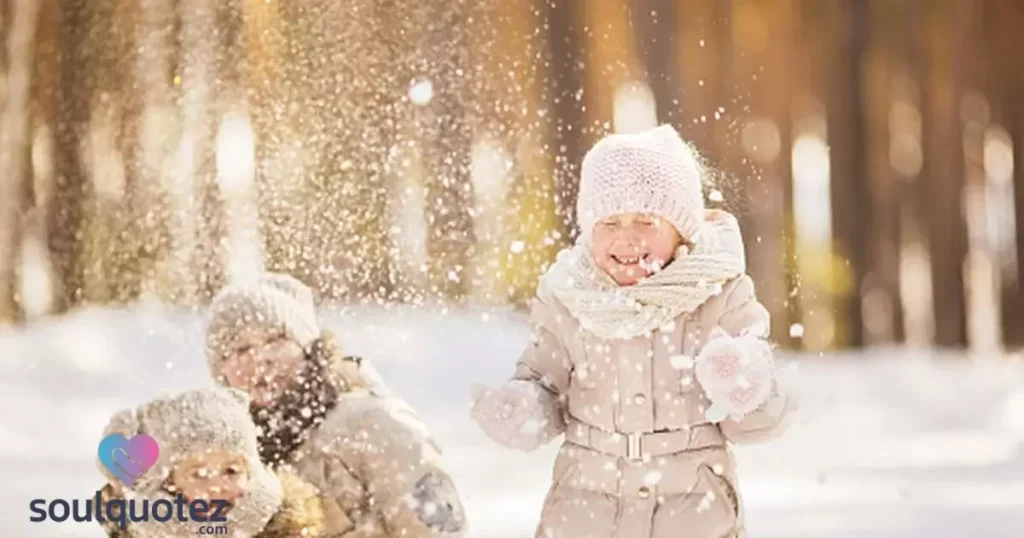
[88, 241]
[563, 22]
[703, 47]
[656, 33]
[279, 166]
[345, 79]
[613, 72]
[152, 195]
[908, 155]
[65, 211]
[113, 233]
[305, 209]
[1005, 19]
[198, 245]
[944, 170]
[1014, 318]
[847, 138]
[885, 66]
[10, 233]
[35, 274]
[19, 27]
[378, 91]
[982, 301]
[230, 214]
[447, 139]
[811, 276]
[759, 47]
[510, 113]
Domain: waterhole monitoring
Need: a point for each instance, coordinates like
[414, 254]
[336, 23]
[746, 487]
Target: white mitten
[736, 373]
[514, 414]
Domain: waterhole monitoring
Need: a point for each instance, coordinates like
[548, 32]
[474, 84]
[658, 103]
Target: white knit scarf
[623, 312]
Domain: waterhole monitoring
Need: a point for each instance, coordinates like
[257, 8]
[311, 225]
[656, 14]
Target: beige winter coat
[639, 458]
[379, 472]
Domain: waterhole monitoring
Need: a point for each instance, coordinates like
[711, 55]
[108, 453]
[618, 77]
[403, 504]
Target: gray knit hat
[274, 301]
[290, 285]
[217, 417]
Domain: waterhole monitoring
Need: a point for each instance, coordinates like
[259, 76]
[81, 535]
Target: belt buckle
[634, 446]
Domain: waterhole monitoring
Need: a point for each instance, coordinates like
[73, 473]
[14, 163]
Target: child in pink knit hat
[649, 353]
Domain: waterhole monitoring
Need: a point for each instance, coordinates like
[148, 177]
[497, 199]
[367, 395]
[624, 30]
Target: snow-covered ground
[892, 444]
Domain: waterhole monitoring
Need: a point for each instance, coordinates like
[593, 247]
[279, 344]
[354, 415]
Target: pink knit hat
[651, 172]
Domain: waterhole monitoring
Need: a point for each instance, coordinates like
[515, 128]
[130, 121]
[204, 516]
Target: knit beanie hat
[194, 421]
[290, 285]
[274, 302]
[652, 172]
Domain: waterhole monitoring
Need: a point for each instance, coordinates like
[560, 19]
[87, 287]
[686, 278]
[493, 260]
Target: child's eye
[233, 470]
[608, 224]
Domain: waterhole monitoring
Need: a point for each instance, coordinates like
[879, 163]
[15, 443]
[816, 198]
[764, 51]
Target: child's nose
[630, 238]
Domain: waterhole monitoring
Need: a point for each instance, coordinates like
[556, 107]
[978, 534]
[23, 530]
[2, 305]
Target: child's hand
[511, 414]
[735, 373]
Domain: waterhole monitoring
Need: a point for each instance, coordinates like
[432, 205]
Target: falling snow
[421, 91]
[652, 478]
[320, 167]
[681, 362]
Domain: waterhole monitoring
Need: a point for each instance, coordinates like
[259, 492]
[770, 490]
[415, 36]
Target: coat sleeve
[410, 494]
[545, 363]
[744, 314]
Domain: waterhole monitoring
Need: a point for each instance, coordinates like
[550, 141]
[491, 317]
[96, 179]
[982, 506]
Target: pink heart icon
[128, 459]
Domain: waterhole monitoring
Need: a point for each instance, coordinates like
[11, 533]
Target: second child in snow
[649, 353]
[378, 471]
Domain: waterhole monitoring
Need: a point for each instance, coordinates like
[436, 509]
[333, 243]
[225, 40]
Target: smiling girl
[649, 353]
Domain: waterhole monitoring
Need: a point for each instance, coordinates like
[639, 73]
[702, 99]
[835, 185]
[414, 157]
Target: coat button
[644, 492]
[639, 399]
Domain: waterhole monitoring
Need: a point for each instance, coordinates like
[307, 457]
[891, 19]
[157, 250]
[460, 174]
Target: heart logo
[128, 459]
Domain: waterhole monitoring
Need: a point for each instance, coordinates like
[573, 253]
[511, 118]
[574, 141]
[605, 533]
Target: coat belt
[640, 445]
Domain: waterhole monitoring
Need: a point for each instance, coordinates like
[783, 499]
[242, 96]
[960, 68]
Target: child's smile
[625, 259]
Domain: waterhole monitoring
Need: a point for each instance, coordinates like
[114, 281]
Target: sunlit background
[417, 151]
